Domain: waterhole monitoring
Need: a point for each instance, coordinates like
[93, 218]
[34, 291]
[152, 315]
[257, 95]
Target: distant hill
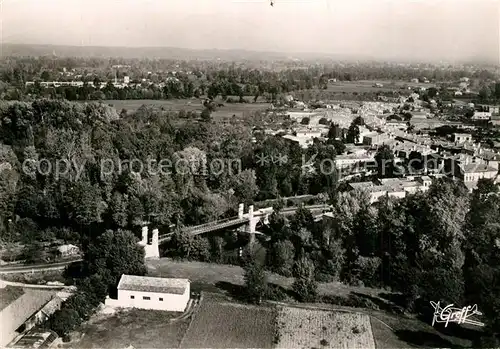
[135, 52]
[11, 49]
[155, 52]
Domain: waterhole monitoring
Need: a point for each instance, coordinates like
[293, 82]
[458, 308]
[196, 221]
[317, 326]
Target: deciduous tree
[113, 254]
[255, 281]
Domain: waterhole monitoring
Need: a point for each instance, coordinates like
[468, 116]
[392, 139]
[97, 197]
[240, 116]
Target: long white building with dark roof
[151, 293]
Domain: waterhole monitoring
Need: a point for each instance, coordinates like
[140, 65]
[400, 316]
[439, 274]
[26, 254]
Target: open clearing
[220, 324]
[307, 328]
[136, 327]
[413, 332]
[211, 273]
[239, 109]
[132, 105]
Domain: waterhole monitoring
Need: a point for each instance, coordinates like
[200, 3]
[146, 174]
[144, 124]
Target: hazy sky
[419, 29]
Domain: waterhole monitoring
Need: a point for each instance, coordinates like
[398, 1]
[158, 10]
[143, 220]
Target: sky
[380, 29]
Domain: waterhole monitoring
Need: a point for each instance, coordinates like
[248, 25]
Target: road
[36, 267]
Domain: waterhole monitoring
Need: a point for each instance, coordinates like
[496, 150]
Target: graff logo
[5, 166]
[459, 315]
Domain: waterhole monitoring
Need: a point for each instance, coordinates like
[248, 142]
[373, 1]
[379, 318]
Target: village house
[304, 137]
[303, 142]
[494, 109]
[375, 191]
[375, 138]
[462, 137]
[403, 150]
[481, 115]
[469, 169]
[155, 293]
[393, 187]
[395, 125]
[495, 120]
[430, 124]
[348, 160]
[471, 173]
[309, 133]
[68, 250]
[359, 150]
[419, 115]
[32, 308]
[488, 156]
[409, 185]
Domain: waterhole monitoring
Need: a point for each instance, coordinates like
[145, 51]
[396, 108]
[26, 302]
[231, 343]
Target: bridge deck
[219, 225]
[231, 222]
[209, 227]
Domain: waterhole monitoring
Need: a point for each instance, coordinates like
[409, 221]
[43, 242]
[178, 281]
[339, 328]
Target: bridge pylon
[152, 249]
[252, 223]
[241, 209]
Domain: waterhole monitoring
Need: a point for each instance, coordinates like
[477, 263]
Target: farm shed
[151, 293]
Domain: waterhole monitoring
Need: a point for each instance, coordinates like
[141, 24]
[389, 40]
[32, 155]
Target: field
[189, 105]
[220, 324]
[8, 295]
[362, 86]
[392, 331]
[176, 104]
[403, 331]
[307, 328]
[139, 328]
[205, 275]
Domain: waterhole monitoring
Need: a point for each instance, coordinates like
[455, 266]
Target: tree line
[199, 78]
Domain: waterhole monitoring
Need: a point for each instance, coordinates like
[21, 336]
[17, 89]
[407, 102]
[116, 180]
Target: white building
[481, 115]
[309, 134]
[462, 137]
[393, 187]
[299, 115]
[303, 142]
[151, 293]
[376, 138]
[342, 161]
[68, 250]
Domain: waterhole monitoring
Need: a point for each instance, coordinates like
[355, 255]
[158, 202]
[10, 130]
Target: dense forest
[70, 168]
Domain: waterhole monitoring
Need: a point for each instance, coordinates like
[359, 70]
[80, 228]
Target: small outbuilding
[68, 250]
[146, 292]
